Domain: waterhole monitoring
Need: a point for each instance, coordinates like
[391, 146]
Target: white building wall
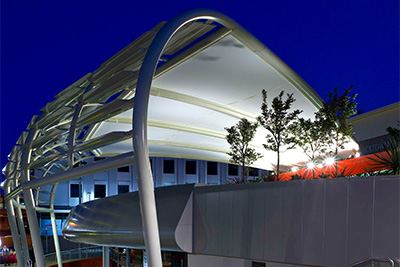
[113, 178]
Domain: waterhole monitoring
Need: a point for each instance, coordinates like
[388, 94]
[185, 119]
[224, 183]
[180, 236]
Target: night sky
[48, 45]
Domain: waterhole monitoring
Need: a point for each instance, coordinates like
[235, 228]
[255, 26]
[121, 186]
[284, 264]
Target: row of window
[99, 190]
[191, 168]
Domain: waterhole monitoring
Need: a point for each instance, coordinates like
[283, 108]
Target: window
[123, 169]
[212, 168]
[191, 167]
[233, 170]
[99, 190]
[253, 172]
[75, 190]
[123, 189]
[169, 166]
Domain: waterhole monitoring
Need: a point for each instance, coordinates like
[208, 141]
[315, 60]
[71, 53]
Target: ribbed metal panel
[325, 222]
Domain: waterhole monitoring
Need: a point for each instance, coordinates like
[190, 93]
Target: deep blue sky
[47, 45]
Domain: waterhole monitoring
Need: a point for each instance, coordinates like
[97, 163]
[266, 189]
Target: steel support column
[54, 226]
[106, 257]
[128, 257]
[29, 201]
[24, 241]
[14, 228]
[55, 237]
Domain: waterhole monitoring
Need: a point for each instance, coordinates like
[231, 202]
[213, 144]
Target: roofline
[277, 64]
[375, 112]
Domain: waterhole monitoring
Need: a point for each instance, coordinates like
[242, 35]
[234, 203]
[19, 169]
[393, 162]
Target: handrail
[75, 254]
[117, 257]
[388, 260]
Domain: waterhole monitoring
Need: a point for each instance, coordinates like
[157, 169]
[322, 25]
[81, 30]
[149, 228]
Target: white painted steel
[13, 225]
[106, 257]
[140, 114]
[24, 241]
[54, 226]
[29, 202]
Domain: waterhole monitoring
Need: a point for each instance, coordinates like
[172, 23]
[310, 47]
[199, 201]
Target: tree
[310, 136]
[390, 161]
[279, 122]
[335, 113]
[239, 137]
[394, 133]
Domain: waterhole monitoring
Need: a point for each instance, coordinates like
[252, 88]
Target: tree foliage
[335, 113]
[279, 122]
[394, 132]
[391, 159]
[239, 137]
[310, 136]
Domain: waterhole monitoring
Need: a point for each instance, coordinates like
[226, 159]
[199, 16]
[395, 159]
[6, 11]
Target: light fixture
[329, 161]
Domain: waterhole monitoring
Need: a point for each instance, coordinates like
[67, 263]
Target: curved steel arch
[140, 113]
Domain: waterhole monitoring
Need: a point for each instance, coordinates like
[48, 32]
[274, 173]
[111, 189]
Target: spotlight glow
[329, 161]
[310, 165]
[295, 169]
[320, 166]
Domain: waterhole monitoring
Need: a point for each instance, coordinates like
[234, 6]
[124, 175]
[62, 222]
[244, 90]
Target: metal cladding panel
[212, 200]
[292, 221]
[240, 223]
[359, 238]
[116, 220]
[273, 226]
[256, 224]
[200, 225]
[313, 222]
[327, 222]
[386, 219]
[225, 217]
[335, 222]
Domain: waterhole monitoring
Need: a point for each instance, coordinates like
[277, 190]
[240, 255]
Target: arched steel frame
[140, 112]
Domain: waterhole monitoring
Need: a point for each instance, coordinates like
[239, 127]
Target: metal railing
[118, 257]
[75, 254]
[373, 260]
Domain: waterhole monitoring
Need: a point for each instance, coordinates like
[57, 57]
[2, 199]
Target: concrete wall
[326, 222]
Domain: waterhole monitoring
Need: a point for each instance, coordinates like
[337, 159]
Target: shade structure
[208, 78]
[209, 74]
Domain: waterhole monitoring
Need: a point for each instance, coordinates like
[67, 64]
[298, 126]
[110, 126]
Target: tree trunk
[277, 166]
[336, 161]
[243, 170]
